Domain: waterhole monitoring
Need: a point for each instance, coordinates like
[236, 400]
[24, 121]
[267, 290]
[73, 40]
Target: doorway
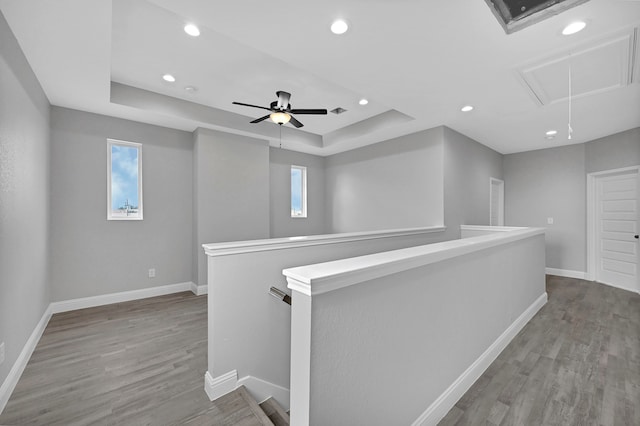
[496, 202]
[612, 222]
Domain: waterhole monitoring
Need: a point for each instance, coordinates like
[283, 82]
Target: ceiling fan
[281, 110]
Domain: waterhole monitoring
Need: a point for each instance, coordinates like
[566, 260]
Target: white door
[617, 229]
[496, 202]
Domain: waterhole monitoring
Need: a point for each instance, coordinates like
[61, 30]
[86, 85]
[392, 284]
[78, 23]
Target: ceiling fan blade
[258, 120]
[253, 106]
[295, 122]
[309, 111]
[283, 99]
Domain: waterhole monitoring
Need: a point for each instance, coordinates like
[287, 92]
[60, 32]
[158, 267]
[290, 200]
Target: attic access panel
[515, 15]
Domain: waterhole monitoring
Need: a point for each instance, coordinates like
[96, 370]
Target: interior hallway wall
[92, 256]
[389, 185]
[24, 199]
[613, 152]
[231, 181]
[552, 183]
[282, 224]
[468, 167]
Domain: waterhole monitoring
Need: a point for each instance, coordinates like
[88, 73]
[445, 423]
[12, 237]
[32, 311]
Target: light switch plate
[550, 221]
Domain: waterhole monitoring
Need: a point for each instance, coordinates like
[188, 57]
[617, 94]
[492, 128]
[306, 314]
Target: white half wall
[410, 329]
[249, 330]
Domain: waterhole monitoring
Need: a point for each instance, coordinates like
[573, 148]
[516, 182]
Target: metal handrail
[281, 295]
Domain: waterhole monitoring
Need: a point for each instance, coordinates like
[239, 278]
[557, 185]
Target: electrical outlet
[1, 352]
[152, 273]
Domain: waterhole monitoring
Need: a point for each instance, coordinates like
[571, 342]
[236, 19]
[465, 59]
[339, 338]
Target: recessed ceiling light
[574, 27]
[466, 108]
[339, 26]
[169, 78]
[192, 30]
[190, 89]
[552, 133]
[363, 101]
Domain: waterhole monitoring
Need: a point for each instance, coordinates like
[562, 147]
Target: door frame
[500, 183]
[592, 214]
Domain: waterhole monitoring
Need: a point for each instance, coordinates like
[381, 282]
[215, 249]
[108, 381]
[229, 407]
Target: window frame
[303, 194]
[110, 211]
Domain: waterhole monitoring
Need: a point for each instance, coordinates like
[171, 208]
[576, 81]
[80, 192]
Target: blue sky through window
[296, 191]
[124, 176]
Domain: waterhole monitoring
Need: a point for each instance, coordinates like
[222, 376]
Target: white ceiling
[418, 62]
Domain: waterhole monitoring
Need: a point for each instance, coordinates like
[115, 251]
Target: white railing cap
[329, 276]
[236, 247]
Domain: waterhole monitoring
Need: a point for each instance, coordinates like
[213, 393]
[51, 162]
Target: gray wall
[92, 256]
[550, 183]
[24, 199]
[282, 224]
[389, 185]
[613, 152]
[231, 191]
[468, 166]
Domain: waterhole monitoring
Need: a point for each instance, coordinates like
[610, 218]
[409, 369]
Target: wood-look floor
[576, 363]
[133, 363]
[142, 363]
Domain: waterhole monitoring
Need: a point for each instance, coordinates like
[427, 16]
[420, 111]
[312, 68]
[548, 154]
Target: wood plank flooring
[142, 363]
[576, 363]
[133, 363]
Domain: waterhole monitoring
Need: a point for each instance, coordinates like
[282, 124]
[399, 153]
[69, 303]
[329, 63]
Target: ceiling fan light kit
[280, 117]
[282, 112]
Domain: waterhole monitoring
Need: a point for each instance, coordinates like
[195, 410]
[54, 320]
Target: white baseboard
[260, 390]
[441, 406]
[215, 387]
[125, 296]
[10, 382]
[566, 273]
[199, 290]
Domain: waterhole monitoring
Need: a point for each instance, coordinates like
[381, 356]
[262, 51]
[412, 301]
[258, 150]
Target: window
[298, 191]
[124, 180]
